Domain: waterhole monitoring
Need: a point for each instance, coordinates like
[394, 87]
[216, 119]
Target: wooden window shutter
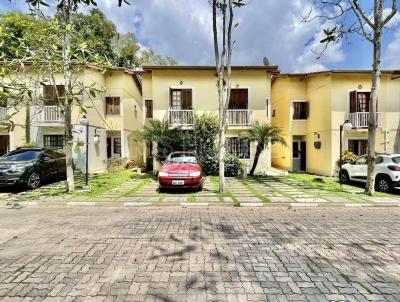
[186, 99]
[149, 108]
[307, 109]
[353, 101]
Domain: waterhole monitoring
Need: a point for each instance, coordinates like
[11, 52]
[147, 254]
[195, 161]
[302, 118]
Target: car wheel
[383, 184]
[34, 180]
[345, 177]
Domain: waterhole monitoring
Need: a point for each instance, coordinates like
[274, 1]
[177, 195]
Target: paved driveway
[199, 254]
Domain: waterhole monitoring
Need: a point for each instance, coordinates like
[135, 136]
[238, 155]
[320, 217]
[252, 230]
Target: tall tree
[66, 10]
[352, 17]
[223, 64]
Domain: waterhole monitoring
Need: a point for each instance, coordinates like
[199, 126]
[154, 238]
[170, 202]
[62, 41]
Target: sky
[182, 29]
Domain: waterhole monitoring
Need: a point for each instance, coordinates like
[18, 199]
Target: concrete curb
[19, 204]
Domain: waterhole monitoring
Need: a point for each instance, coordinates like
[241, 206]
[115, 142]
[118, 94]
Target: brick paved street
[199, 254]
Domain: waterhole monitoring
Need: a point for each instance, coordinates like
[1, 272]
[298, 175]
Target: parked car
[30, 167]
[387, 171]
[181, 170]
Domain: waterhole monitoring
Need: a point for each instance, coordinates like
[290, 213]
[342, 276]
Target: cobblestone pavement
[249, 191]
[199, 254]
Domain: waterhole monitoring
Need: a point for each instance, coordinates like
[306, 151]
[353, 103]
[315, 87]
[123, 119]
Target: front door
[4, 144]
[299, 156]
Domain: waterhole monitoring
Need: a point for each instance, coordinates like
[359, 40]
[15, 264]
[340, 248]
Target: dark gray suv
[31, 167]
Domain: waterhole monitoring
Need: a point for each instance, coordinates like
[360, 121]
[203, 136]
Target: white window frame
[180, 87]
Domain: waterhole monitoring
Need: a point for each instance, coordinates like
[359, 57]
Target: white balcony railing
[360, 119]
[240, 117]
[3, 112]
[181, 117]
[48, 114]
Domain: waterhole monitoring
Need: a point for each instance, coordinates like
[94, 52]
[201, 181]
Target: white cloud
[182, 29]
[392, 58]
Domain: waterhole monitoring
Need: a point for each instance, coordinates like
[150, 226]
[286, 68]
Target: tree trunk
[221, 154]
[68, 101]
[376, 73]
[260, 148]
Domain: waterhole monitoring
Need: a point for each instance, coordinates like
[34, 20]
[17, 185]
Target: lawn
[331, 184]
[98, 184]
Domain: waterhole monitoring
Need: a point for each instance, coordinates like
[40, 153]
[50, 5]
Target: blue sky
[182, 29]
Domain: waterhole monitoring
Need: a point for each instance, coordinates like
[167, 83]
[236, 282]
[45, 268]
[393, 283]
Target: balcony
[183, 118]
[3, 112]
[360, 119]
[48, 116]
[240, 117]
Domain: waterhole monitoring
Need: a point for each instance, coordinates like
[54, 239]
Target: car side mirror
[45, 159]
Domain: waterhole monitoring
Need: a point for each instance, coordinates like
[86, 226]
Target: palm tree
[262, 134]
[159, 132]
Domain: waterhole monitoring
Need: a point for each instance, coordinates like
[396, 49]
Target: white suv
[387, 170]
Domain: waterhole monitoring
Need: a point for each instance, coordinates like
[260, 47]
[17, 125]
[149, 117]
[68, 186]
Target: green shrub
[233, 166]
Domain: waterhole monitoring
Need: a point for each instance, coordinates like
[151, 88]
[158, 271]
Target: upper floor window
[181, 99]
[52, 94]
[149, 108]
[239, 99]
[54, 141]
[359, 101]
[113, 105]
[238, 147]
[300, 110]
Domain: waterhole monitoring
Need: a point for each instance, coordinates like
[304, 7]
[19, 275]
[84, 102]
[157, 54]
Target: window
[113, 105]
[300, 110]
[113, 147]
[359, 101]
[239, 99]
[267, 107]
[181, 99]
[361, 160]
[52, 94]
[149, 108]
[54, 141]
[296, 149]
[117, 145]
[358, 146]
[238, 147]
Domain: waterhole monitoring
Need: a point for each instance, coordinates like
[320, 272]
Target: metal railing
[181, 117]
[3, 112]
[48, 114]
[360, 119]
[240, 117]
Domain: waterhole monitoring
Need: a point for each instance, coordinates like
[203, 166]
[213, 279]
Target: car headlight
[162, 174]
[16, 168]
[195, 174]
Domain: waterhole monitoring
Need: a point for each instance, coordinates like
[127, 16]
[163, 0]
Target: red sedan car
[181, 170]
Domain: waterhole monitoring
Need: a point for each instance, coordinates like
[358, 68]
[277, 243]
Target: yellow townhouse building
[310, 108]
[176, 93]
[113, 114]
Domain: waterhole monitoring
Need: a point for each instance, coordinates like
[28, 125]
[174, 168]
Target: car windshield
[396, 160]
[182, 158]
[21, 155]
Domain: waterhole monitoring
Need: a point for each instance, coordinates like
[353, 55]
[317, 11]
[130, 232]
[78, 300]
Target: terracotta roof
[273, 69]
[338, 71]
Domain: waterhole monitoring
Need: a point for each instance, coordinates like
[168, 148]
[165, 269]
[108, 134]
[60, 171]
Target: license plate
[178, 182]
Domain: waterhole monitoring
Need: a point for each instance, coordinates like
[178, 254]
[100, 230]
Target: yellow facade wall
[158, 82]
[328, 97]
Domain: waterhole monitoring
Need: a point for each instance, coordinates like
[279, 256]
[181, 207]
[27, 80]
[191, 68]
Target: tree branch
[215, 31]
[364, 33]
[358, 10]
[392, 13]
